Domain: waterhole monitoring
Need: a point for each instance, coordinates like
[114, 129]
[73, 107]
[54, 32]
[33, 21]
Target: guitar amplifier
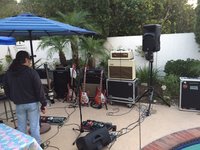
[189, 94]
[121, 55]
[124, 91]
[121, 69]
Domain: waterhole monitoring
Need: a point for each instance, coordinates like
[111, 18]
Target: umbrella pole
[31, 46]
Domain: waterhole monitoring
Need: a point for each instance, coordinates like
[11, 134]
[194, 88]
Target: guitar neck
[101, 80]
[84, 80]
[72, 76]
[48, 79]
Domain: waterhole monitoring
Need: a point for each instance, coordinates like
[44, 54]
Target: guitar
[50, 93]
[100, 98]
[71, 96]
[83, 94]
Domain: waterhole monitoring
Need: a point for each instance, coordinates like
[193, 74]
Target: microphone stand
[80, 76]
[81, 130]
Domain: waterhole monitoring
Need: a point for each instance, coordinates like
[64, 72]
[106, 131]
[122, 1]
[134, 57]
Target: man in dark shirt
[23, 86]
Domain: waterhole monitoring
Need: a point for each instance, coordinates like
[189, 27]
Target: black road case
[189, 94]
[122, 91]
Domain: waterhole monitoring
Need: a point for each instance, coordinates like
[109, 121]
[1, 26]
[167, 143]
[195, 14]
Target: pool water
[190, 145]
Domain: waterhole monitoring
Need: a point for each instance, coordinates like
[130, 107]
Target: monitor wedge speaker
[95, 140]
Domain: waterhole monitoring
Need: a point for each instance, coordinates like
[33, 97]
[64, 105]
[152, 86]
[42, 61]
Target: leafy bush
[172, 85]
[1, 68]
[183, 68]
[143, 74]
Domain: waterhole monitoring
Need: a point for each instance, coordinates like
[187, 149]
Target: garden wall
[173, 46]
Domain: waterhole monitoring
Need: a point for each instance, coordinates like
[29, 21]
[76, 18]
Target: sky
[194, 2]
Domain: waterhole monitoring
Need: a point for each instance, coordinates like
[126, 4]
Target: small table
[11, 139]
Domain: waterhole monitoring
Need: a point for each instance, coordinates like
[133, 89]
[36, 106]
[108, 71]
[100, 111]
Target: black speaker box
[42, 73]
[151, 37]
[61, 78]
[94, 76]
[95, 140]
[189, 94]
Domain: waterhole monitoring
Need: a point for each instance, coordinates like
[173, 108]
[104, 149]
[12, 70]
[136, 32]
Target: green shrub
[183, 68]
[144, 75]
[1, 68]
[172, 85]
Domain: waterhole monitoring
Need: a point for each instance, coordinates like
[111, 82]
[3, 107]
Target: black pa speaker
[61, 78]
[95, 140]
[151, 37]
[42, 73]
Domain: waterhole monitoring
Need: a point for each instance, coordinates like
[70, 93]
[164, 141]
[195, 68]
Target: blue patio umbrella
[31, 27]
[7, 40]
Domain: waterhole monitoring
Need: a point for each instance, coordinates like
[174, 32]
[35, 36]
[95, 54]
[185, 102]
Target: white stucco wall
[40, 54]
[173, 47]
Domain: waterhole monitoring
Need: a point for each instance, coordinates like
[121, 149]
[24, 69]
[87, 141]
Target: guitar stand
[150, 91]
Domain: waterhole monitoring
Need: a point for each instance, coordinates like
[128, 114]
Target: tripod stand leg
[141, 96]
[81, 131]
[157, 95]
[150, 99]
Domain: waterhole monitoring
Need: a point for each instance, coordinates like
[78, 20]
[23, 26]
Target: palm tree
[92, 49]
[80, 19]
[56, 44]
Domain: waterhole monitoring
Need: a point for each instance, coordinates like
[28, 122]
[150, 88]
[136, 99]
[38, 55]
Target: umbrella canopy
[7, 40]
[31, 27]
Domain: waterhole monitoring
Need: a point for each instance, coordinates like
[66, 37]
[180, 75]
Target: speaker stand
[150, 92]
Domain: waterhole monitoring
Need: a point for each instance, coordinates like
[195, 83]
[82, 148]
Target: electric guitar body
[100, 98]
[71, 95]
[50, 93]
[84, 99]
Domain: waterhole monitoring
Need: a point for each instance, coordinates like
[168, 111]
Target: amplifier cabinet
[124, 91]
[189, 94]
[94, 76]
[92, 89]
[121, 69]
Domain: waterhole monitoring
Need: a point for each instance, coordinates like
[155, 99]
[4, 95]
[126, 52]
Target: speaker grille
[121, 72]
[121, 69]
[151, 37]
[61, 79]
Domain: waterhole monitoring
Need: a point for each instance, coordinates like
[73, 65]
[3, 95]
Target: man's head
[23, 58]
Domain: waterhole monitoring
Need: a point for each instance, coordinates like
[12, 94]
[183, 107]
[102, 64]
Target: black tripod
[150, 92]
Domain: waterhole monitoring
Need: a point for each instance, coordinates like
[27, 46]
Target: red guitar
[83, 94]
[100, 98]
[71, 95]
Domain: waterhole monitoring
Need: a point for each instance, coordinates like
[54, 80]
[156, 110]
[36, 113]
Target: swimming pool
[190, 145]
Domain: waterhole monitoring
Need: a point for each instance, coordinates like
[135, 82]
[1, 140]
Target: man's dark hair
[19, 59]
